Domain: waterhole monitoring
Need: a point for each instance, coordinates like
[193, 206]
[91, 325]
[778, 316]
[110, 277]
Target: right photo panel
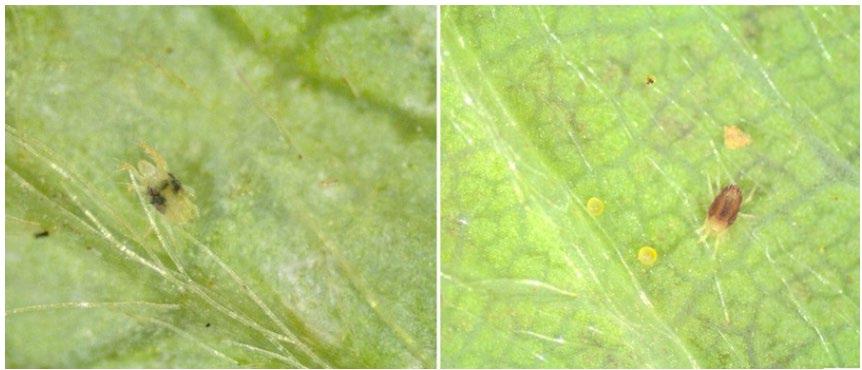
[639, 187]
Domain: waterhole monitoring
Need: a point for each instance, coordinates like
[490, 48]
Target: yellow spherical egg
[595, 206]
[647, 256]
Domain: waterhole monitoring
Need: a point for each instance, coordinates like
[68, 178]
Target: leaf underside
[307, 135]
[544, 108]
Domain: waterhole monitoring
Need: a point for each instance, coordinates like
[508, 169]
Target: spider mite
[724, 209]
[157, 199]
[722, 213]
[165, 191]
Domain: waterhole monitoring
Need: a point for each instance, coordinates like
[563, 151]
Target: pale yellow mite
[162, 189]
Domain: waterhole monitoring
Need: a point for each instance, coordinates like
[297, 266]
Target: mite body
[722, 213]
[166, 193]
[724, 209]
[157, 198]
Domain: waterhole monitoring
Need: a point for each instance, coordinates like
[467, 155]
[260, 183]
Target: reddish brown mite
[724, 209]
[722, 213]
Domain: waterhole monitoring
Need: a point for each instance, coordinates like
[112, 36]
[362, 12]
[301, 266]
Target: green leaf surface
[307, 135]
[547, 107]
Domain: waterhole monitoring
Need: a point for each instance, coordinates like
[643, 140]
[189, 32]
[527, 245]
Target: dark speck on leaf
[42, 234]
[650, 80]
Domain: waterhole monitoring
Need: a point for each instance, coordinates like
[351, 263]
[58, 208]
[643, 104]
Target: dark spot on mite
[725, 207]
[42, 234]
[156, 199]
[175, 183]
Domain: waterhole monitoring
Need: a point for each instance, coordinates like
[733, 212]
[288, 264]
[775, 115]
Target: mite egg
[595, 206]
[647, 256]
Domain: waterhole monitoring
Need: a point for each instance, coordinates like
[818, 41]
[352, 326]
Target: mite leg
[747, 200]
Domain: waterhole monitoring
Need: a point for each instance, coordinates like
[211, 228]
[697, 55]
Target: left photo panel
[222, 187]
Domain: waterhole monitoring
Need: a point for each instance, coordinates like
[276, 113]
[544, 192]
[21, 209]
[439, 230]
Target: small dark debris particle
[328, 182]
[208, 325]
[650, 80]
[42, 234]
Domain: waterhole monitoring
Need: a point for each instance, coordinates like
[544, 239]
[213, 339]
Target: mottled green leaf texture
[307, 136]
[544, 108]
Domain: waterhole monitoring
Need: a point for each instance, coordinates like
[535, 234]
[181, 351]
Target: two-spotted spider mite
[165, 191]
[157, 199]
